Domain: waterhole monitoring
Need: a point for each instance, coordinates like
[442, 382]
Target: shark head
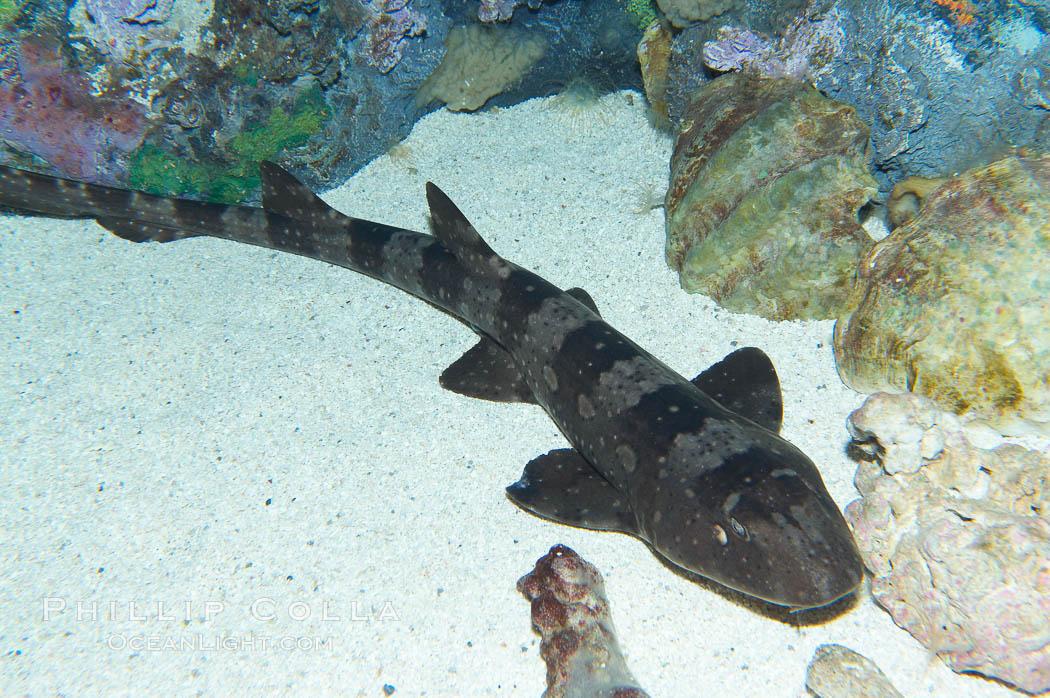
[761, 523]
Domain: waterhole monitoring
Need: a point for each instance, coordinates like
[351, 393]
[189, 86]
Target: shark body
[696, 469]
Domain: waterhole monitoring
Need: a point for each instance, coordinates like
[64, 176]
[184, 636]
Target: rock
[839, 672]
[955, 304]
[767, 177]
[957, 538]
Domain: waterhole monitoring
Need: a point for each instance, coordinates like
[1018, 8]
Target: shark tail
[66, 198]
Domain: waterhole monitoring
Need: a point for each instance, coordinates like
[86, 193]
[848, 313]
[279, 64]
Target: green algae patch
[156, 171]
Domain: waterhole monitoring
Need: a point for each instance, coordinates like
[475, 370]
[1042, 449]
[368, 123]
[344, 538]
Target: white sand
[157, 397]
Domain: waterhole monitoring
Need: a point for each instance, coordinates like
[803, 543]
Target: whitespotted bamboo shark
[696, 469]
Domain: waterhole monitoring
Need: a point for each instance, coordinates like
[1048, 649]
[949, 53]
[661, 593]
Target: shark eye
[738, 528]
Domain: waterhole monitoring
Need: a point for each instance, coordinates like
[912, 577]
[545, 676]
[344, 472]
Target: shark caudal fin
[456, 233]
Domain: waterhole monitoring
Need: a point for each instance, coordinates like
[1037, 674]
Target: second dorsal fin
[282, 193]
[456, 233]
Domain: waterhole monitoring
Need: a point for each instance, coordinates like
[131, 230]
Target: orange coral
[962, 11]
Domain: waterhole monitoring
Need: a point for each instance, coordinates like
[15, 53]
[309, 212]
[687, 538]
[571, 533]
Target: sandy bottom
[224, 469]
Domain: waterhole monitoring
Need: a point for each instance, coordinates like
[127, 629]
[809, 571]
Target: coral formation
[197, 72]
[957, 538]
[390, 22]
[129, 31]
[497, 10]
[767, 177]
[839, 672]
[49, 111]
[805, 51]
[940, 96]
[481, 60]
[955, 304]
[281, 41]
[571, 613]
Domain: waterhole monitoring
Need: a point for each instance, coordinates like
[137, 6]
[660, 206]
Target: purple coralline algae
[955, 303]
[767, 177]
[390, 22]
[805, 50]
[49, 111]
[571, 613]
[957, 538]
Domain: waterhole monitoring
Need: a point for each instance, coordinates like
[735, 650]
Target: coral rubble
[955, 304]
[571, 613]
[767, 177]
[957, 538]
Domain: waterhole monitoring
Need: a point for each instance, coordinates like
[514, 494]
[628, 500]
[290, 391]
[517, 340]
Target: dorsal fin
[745, 382]
[284, 194]
[456, 233]
[585, 298]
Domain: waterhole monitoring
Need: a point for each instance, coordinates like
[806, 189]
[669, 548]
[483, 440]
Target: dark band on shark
[694, 468]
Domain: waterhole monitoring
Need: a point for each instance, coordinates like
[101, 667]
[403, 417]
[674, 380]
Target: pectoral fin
[562, 486]
[585, 298]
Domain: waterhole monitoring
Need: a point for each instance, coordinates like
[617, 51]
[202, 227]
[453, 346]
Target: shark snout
[809, 540]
